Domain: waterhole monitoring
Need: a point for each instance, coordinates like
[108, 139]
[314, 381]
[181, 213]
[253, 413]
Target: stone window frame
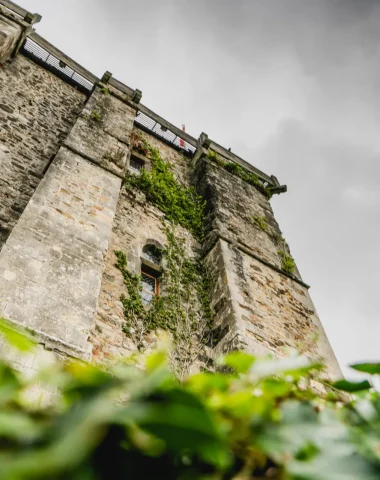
[152, 269]
[152, 253]
[145, 162]
[156, 286]
[136, 164]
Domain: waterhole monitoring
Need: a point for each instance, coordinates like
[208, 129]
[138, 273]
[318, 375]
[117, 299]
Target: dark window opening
[152, 253]
[136, 165]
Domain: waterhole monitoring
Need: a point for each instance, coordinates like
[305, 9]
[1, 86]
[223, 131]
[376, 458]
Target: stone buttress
[52, 262]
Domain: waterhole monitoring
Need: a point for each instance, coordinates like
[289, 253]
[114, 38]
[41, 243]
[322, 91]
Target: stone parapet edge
[213, 239]
[53, 343]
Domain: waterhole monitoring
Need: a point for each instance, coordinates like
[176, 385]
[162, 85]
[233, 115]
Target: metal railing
[49, 57]
[151, 126]
[46, 59]
[37, 53]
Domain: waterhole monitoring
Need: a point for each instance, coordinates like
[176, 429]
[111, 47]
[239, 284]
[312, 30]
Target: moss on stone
[260, 222]
[287, 262]
[240, 172]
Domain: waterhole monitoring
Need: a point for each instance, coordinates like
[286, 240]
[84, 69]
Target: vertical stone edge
[51, 234]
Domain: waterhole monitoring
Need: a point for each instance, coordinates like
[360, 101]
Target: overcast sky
[292, 86]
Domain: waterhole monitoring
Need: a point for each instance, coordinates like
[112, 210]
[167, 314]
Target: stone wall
[136, 223]
[257, 306]
[181, 166]
[233, 206]
[272, 313]
[226, 335]
[37, 111]
[57, 268]
[10, 34]
[52, 262]
[50, 267]
[102, 132]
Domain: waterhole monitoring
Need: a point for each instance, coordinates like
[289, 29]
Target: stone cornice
[215, 235]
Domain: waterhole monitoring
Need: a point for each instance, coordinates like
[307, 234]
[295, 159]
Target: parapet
[32, 45]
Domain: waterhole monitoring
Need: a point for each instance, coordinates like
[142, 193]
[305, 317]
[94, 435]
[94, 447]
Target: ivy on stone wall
[183, 308]
[180, 204]
[240, 172]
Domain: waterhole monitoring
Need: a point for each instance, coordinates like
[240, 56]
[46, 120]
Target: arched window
[150, 272]
[152, 253]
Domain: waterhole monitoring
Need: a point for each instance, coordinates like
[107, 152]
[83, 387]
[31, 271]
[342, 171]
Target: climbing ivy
[183, 308]
[240, 172]
[180, 204]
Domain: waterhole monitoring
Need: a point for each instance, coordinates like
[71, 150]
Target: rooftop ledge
[50, 57]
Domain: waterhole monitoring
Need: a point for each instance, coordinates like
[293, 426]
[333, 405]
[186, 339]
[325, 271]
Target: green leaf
[371, 368]
[239, 361]
[10, 383]
[156, 360]
[71, 439]
[336, 463]
[204, 383]
[348, 386]
[216, 454]
[299, 427]
[16, 336]
[19, 426]
[178, 418]
[296, 366]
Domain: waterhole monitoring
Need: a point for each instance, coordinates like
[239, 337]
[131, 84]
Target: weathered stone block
[56, 251]
[117, 117]
[89, 139]
[10, 34]
[271, 312]
[235, 204]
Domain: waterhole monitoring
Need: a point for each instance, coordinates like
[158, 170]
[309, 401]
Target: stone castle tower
[68, 141]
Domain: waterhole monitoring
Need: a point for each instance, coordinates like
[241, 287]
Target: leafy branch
[259, 419]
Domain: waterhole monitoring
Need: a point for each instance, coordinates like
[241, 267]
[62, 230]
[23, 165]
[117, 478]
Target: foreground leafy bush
[258, 419]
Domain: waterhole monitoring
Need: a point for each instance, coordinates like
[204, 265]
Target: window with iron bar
[150, 287]
[152, 253]
[135, 164]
